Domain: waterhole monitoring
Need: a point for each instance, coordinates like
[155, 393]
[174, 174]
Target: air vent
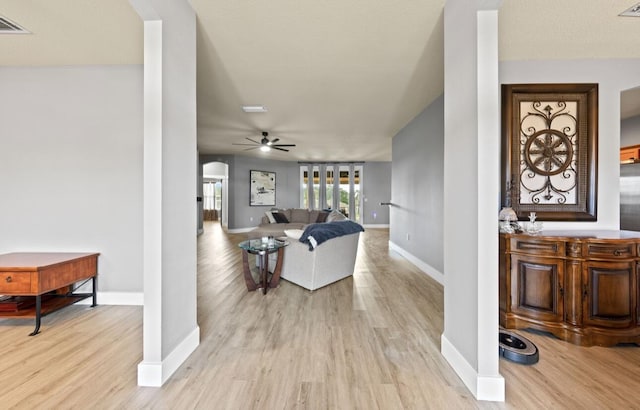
[632, 11]
[9, 27]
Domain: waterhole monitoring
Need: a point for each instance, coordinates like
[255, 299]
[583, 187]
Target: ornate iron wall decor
[549, 150]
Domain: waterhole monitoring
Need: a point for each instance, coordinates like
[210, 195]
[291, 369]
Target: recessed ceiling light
[254, 108]
[633, 11]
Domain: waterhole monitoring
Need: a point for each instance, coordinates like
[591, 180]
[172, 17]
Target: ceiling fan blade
[254, 141]
[281, 149]
[249, 149]
[284, 145]
[273, 141]
[239, 143]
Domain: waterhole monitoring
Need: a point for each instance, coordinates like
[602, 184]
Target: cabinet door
[609, 294]
[638, 291]
[537, 287]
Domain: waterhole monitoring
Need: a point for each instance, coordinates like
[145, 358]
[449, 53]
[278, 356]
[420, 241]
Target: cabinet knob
[8, 279]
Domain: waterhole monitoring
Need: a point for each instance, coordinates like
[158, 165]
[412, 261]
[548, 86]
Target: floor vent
[9, 27]
[633, 11]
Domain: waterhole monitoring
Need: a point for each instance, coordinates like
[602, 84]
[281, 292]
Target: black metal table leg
[38, 315]
[93, 291]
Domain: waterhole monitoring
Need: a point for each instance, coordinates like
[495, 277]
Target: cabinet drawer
[534, 246]
[610, 250]
[14, 283]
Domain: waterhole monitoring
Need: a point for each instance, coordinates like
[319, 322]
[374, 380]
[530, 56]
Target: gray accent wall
[630, 131]
[376, 188]
[417, 186]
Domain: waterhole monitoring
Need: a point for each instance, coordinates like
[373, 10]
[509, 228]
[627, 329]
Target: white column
[322, 192]
[336, 187]
[310, 194]
[170, 329]
[490, 383]
[352, 197]
[152, 249]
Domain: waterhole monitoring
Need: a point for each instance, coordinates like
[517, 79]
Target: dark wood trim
[586, 207]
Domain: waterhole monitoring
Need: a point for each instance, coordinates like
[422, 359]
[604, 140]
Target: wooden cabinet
[582, 286]
[630, 154]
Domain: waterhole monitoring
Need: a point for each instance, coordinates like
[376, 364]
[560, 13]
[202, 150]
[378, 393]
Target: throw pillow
[269, 214]
[280, 218]
[322, 217]
[335, 216]
[293, 233]
[299, 216]
[313, 215]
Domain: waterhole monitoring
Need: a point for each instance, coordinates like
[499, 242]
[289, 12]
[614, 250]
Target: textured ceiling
[339, 78]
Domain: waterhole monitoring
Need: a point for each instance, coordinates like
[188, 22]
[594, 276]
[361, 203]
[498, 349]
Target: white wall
[613, 76]
[71, 167]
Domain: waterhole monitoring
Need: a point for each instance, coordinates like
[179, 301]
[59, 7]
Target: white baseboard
[374, 226]
[489, 388]
[116, 298]
[155, 374]
[423, 266]
[241, 230]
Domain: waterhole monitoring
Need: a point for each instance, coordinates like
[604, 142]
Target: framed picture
[262, 188]
[549, 150]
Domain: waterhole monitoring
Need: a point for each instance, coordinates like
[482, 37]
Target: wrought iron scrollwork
[548, 159]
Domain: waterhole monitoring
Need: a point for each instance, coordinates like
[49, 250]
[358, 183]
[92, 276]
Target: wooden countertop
[587, 234]
[31, 261]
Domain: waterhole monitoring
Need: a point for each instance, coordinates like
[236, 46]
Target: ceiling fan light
[265, 148]
[633, 11]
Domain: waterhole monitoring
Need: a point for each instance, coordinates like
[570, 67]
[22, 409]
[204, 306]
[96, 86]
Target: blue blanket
[317, 233]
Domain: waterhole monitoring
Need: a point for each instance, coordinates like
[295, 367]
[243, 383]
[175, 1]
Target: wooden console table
[581, 286]
[36, 284]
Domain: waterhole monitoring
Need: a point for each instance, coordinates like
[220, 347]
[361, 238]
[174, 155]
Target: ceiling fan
[265, 144]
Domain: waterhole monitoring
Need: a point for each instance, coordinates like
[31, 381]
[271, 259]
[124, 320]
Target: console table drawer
[535, 246]
[15, 282]
[610, 250]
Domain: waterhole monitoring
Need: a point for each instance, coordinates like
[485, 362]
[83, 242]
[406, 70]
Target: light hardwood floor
[366, 342]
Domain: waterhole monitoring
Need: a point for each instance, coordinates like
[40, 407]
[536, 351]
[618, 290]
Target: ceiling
[339, 78]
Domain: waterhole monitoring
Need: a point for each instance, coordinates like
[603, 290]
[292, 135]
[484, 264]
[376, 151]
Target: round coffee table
[262, 249]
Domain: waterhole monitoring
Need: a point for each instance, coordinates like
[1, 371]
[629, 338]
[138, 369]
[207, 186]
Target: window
[339, 189]
[212, 193]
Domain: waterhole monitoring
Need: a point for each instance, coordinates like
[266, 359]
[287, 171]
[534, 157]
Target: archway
[214, 193]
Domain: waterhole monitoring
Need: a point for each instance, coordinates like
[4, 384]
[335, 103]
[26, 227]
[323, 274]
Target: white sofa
[331, 261]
